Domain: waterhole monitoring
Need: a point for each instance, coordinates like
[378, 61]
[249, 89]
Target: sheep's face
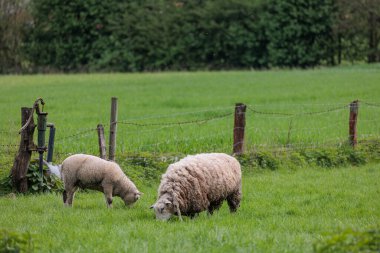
[131, 198]
[164, 209]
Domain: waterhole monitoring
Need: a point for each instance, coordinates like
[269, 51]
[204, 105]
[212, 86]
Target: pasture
[168, 115]
[78, 103]
[281, 211]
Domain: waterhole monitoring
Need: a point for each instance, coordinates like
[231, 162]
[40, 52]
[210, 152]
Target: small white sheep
[87, 171]
[198, 183]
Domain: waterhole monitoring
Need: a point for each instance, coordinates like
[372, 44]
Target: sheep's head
[164, 209]
[131, 197]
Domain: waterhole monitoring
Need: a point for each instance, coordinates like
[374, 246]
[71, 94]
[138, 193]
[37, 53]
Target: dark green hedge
[148, 35]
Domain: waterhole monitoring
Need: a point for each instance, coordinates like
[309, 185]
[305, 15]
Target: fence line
[370, 104]
[171, 115]
[299, 114]
[251, 108]
[77, 134]
[190, 138]
[199, 121]
[9, 145]
[202, 121]
[293, 130]
[8, 132]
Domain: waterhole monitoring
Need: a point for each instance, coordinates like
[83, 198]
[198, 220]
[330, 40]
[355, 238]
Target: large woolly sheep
[198, 183]
[91, 172]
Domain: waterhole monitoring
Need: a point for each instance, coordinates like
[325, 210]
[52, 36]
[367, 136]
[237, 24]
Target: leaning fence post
[239, 125]
[354, 111]
[22, 159]
[102, 142]
[113, 128]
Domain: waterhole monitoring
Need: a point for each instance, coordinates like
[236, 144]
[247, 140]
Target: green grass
[282, 211]
[77, 103]
[285, 210]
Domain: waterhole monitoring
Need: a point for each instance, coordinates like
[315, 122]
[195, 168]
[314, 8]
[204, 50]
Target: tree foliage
[14, 17]
[146, 35]
[300, 32]
[357, 30]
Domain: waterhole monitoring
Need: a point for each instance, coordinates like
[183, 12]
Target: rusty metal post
[239, 127]
[354, 111]
[113, 129]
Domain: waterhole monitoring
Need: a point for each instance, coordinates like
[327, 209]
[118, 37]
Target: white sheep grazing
[198, 183]
[86, 171]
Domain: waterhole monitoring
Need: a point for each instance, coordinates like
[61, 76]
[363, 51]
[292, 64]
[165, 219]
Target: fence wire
[286, 134]
[340, 108]
[198, 121]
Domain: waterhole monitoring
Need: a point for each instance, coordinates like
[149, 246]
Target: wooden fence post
[239, 125]
[113, 129]
[354, 111]
[22, 159]
[102, 142]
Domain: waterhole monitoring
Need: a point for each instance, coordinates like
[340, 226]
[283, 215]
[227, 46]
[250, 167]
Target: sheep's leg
[193, 215]
[64, 196]
[70, 196]
[214, 206]
[108, 195]
[233, 201]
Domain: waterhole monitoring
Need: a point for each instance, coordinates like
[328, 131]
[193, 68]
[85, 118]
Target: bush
[145, 168]
[300, 32]
[5, 185]
[11, 241]
[350, 241]
[178, 35]
[267, 160]
[69, 35]
[45, 183]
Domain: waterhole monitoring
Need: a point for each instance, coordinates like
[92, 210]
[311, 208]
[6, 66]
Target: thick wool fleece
[202, 182]
[86, 171]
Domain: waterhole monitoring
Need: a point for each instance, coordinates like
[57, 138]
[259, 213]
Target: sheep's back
[201, 179]
[89, 169]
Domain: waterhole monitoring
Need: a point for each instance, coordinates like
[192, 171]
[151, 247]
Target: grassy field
[286, 210]
[77, 103]
[282, 211]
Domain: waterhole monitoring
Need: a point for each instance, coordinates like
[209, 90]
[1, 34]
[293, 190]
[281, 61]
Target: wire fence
[270, 127]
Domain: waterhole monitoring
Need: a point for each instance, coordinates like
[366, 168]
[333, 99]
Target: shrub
[45, 183]
[350, 241]
[5, 185]
[267, 160]
[11, 241]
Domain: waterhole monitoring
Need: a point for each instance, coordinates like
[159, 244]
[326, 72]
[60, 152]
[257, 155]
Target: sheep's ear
[151, 207]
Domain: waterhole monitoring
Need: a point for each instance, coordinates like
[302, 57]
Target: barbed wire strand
[77, 134]
[198, 121]
[171, 115]
[297, 114]
[370, 104]
[9, 145]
